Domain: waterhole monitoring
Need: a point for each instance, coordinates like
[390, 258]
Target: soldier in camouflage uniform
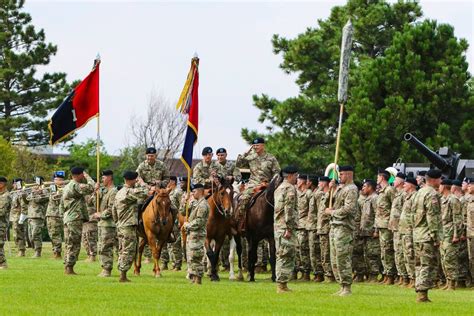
[385, 198]
[285, 224]
[125, 213]
[5, 205]
[469, 198]
[426, 234]
[75, 214]
[405, 228]
[37, 203]
[358, 262]
[195, 228]
[18, 207]
[323, 227]
[393, 224]
[451, 221]
[263, 167]
[54, 217]
[107, 228]
[342, 228]
[90, 231]
[303, 197]
[465, 271]
[207, 169]
[371, 245]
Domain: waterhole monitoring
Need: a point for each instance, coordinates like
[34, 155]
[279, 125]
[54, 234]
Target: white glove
[22, 219]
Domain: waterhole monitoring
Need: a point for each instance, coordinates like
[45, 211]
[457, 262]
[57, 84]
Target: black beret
[130, 175]
[290, 170]
[206, 150]
[412, 181]
[383, 171]
[370, 182]
[303, 177]
[258, 140]
[77, 170]
[313, 179]
[446, 182]
[197, 186]
[422, 173]
[174, 178]
[3, 179]
[107, 173]
[346, 168]
[401, 175]
[457, 183]
[434, 173]
[151, 150]
[221, 151]
[324, 179]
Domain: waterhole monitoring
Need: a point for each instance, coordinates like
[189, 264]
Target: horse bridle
[222, 212]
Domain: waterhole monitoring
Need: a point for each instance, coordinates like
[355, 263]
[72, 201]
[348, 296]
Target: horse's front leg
[271, 242]
[154, 251]
[232, 246]
[217, 249]
[138, 258]
[210, 255]
[238, 246]
[252, 257]
[157, 256]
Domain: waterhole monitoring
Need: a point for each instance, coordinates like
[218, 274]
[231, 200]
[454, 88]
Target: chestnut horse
[156, 229]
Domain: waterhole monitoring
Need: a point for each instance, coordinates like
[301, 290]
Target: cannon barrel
[432, 156]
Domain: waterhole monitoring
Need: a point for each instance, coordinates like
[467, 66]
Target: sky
[146, 48]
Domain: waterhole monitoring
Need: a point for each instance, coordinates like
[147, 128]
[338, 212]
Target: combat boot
[294, 275]
[318, 278]
[306, 277]
[422, 297]
[400, 281]
[37, 254]
[331, 279]
[406, 282]
[69, 271]
[451, 285]
[389, 280]
[372, 278]
[197, 280]
[282, 288]
[346, 290]
[105, 273]
[383, 280]
[123, 277]
[359, 278]
[340, 291]
[164, 266]
[21, 253]
[177, 268]
[412, 284]
[57, 255]
[462, 284]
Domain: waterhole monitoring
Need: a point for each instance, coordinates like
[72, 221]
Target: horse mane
[274, 183]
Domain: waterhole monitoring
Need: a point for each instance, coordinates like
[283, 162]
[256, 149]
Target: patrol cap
[434, 173]
[384, 172]
[77, 170]
[457, 183]
[130, 175]
[221, 151]
[303, 177]
[107, 172]
[401, 175]
[197, 186]
[3, 179]
[258, 140]
[346, 168]
[59, 174]
[151, 150]
[206, 150]
[173, 178]
[446, 182]
[324, 179]
[411, 180]
[290, 169]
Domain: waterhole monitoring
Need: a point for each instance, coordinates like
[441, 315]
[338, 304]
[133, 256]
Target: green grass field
[38, 286]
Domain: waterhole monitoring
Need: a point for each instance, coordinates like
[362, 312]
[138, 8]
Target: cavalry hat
[3, 179]
[151, 150]
[411, 180]
[258, 140]
[401, 175]
[77, 170]
[221, 151]
[206, 150]
[107, 173]
[434, 173]
[290, 169]
[130, 175]
[457, 183]
[346, 168]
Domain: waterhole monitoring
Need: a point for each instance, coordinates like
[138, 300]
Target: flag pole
[97, 150]
[189, 194]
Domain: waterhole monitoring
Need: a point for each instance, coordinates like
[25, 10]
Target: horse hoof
[136, 273]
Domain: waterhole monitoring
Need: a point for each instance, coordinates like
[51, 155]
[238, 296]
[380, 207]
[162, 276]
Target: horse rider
[207, 170]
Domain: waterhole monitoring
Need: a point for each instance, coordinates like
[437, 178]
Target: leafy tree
[26, 97]
[7, 157]
[27, 165]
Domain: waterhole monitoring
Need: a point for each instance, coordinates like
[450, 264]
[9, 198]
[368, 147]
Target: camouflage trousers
[35, 231]
[173, 250]
[425, 265]
[224, 254]
[465, 269]
[262, 254]
[325, 246]
[387, 254]
[3, 234]
[399, 258]
[19, 234]
[195, 253]
[358, 261]
[409, 255]
[127, 238]
[55, 231]
[470, 248]
[303, 262]
[72, 242]
[371, 249]
[107, 242]
[449, 259]
[285, 256]
[341, 244]
[90, 236]
[315, 253]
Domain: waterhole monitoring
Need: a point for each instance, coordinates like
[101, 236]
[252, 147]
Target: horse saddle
[256, 195]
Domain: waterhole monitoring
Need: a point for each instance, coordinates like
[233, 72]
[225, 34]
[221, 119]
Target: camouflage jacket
[37, 204]
[231, 170]
[18, 206]
[125, 210]
[464, 203]
[426, 226]
[285, 215]
[405, 225]
[470, 216]
[312, 221]
[302, 204]
[202, 172]
[384, 206]
[156, 174]
[175, 197]
[107, 199]
[367, 218]
[451, 217]
[5, 205]
[396, 210]
[74, 202]
[197, 221]
[345, 205]
[323, 225]
[54, 203]
[262, 168]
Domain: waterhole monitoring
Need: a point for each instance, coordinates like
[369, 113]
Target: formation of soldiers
[417, 232]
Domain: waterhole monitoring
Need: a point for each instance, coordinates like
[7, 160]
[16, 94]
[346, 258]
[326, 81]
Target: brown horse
[218, 223]
[156, 229]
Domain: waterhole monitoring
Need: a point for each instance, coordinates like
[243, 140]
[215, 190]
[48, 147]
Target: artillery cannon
[449, 162]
